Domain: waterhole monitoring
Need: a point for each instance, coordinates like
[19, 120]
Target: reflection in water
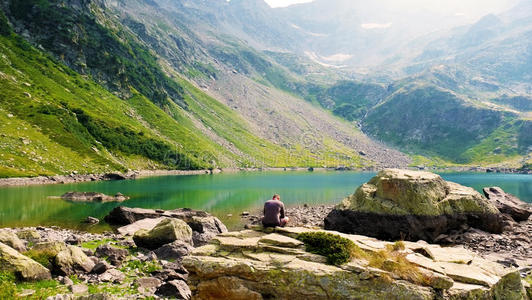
[221, 194]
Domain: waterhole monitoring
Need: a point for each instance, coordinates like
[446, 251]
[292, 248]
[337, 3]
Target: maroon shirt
[273, 213]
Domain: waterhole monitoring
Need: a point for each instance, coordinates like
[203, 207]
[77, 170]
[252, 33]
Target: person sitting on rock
[274, 213]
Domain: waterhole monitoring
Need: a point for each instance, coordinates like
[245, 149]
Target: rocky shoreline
[78, 178]
[188, 254]
[512, 248]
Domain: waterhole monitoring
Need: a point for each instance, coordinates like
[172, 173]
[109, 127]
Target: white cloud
[284, 3]
[376, 25]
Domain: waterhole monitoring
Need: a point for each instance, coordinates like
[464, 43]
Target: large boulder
[413, 205]
[11, 239]
[65, 259]
[24, 268]
[258, 265]
[508, 204]
[204, 225]
[167, 231]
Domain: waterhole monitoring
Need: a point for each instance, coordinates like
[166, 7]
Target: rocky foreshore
[74, 177]
[188, 254]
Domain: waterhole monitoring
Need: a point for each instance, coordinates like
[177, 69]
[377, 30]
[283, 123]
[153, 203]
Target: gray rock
[23, 267]
[175, 288]
[78, 289]
[204, 225]
[173, 251]
[115, 255]
[11, 239]
[66, 281]
[92, 220]
[101, 267]
[148, 282]
[112, 275]
[167, 231]
[92, 197]
[508, 204]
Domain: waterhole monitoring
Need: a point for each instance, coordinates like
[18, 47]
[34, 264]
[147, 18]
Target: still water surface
[220, 194]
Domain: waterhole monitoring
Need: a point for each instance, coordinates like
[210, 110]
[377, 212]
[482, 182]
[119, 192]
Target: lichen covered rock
[247, 265]
[65, 259]
[412, 205]
[167, 231]
[12, 240]
[24, 268]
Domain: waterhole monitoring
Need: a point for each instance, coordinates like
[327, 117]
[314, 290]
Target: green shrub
[336, 249]
[44, 257]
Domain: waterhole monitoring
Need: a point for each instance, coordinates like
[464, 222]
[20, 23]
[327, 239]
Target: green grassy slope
[431, 121]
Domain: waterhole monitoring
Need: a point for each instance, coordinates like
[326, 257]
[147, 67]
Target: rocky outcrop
[166, 231]
[93, 197]
[204, 225]
[65, 259]
[252, 264]
[508, 204]
[412, 205]
[22, 267]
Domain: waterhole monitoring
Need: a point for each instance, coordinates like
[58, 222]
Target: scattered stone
[73, 240]
[175, 288]
[101, 267]
[173, 251]
[25, 293]
[167, 231]
[78, 289]
[112, 275]
[92, 220]
[204, 225]
[115, 255]
[30, 235]
[66, 259]
[148, 282]
[23, 267]
[508, 204]
[245, 213]
[11, 239]
[66, 281]
[93, 197]
[412, 205]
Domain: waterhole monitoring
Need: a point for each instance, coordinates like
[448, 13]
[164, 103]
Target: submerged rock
[93, 197]
[167, 231]
[412, 205]
[24, 268]
[204, 225]
[508, 204]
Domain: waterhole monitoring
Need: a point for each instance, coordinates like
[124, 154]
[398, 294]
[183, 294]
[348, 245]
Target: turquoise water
[220, 194]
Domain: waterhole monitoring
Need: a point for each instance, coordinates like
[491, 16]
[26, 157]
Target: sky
[472, 8]
[282, 3]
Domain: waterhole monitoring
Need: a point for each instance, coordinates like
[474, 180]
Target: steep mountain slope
[159, 116]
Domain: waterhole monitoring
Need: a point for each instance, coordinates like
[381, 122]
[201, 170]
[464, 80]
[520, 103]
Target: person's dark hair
[276, 196]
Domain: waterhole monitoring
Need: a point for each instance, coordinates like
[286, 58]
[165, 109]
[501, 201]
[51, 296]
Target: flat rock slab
[256, 263]
[232, 243]
[147, 224]
[280, 240]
